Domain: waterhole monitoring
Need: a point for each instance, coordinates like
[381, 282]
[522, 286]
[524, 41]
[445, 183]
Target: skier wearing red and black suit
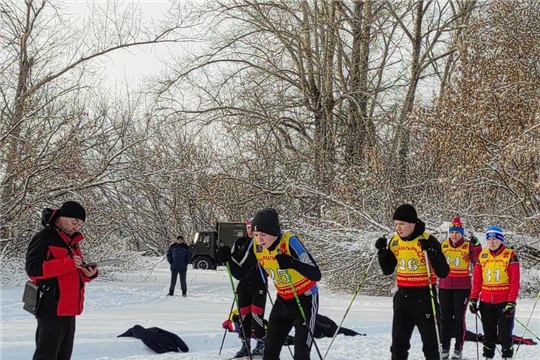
[283, 256]
[251, 292]
[454, 290]
[496, 280]
[412, 302]
[54, 262]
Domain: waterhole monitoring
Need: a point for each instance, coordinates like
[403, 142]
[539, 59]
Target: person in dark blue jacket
[178, 257]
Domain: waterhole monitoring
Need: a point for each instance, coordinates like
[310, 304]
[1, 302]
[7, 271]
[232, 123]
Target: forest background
[332, 112]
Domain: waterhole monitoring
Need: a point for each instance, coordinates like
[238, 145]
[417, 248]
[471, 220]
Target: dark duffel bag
[31, 297]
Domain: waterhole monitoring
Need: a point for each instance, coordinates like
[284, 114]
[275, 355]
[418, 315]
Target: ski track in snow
[140, 298]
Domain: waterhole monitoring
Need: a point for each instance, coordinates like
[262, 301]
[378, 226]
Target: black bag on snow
[157, 339]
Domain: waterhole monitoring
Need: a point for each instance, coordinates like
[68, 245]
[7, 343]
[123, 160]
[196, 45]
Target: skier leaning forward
[412, 303]
[286, 261]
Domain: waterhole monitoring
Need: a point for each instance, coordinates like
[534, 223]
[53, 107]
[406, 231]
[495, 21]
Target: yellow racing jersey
[411, 262]
[457, 258]
[495, 279]
[283, 279]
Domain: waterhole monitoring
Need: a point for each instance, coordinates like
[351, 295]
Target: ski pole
[246, 339]
[525, 327]
[496, 348]
[350, 304]
[261, 271]
[302, 312]
[477, 340]
[433, 307]
[225, 333]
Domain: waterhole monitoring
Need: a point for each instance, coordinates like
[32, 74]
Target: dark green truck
[205, 243]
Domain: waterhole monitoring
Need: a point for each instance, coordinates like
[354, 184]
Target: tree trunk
[403, 136]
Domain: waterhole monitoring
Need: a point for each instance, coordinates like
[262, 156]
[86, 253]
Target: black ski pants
[54, 338]
[413, 308]
[453, 311]
[496, 324]
[251, 301]
[183, 285]
[284, 315]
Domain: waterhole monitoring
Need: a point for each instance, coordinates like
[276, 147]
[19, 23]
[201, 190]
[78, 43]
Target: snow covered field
[140, 298]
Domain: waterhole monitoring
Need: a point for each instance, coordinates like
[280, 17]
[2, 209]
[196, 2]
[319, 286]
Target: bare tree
[480, 158]
[56, 137]
[429, 30]
[491, 108]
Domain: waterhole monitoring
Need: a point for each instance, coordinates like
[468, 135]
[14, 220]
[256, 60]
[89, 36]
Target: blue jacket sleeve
[304, 262]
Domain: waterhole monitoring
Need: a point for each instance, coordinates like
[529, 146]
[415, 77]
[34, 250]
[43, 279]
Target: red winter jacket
[497, 295]
[50, 265]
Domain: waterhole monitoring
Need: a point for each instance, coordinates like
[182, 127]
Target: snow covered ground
[140, 298]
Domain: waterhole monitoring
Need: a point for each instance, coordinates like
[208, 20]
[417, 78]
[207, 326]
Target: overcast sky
[130, 67]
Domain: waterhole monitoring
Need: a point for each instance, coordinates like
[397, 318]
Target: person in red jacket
[496, 286]
[454, 290]
[55, 263]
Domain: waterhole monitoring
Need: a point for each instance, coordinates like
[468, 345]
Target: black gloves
[474, 240]
[285, 261]
[426, 245]
[381, 243]
[473, 306]
[509, 310]
[224, 254]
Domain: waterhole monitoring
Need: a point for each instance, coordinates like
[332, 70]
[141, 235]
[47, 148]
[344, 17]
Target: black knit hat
[407, 213]
[72, 209]
[266, 221]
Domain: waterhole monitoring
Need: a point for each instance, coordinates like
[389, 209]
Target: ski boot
[457, 355]
[244, 351]
[445, 353]
[259, 348]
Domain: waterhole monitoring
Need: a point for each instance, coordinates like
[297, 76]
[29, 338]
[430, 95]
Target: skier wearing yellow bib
[288, 264]
[495, 289]
[454, 290]
[412, 302]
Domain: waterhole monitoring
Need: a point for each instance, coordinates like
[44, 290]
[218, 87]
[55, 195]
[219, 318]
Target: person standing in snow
[251, 292]
[55, 263]
[178, 256]
[494, 292]
[454, 290]
[412, 302]
[294, 274]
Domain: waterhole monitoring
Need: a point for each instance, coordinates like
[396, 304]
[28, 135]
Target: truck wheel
[203, 263]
